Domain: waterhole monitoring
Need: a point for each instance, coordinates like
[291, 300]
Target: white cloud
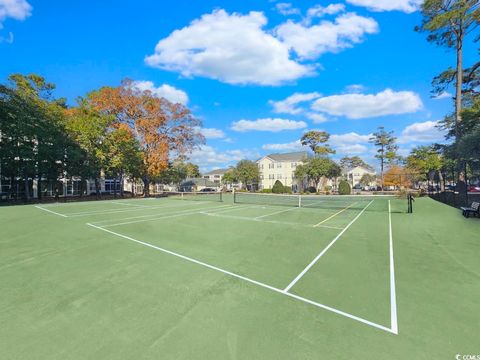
[268, 124]
[443, 95]
[8, 39]
[344, 144]
[351, 149]
[355, 88]
[407, 6]
[166, 91]
[232, 48]
[15, 9]
[207, 157]
[349, 143]
[286, 9]
[212, 133]
[292, 146]
[288, 106]
[317, 118]
[309, 42]
[319, 11]
[348, 138]
[426, 132]
[360, 106]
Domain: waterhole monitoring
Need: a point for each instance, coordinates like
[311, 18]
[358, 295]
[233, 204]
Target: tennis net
[196, 196]
[309, 201]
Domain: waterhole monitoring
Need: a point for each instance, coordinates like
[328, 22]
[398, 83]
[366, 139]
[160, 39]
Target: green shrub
[266, 191]
[311, 190]
[287, 190]
[277, 187]
[344, 188]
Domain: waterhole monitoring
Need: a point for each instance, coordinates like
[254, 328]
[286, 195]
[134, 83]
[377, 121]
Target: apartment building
[355, 175]
[280, 167]
[215, 176]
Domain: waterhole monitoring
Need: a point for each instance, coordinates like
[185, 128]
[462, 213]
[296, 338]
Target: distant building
[198, 184]
[215, 176]
[355, 174]
[280, 167]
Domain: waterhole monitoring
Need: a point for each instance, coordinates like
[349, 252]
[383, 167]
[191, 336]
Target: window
[217, 176]
[279, 165]
[261, 177]
[279, 176]
[294, 165]
[112, 186]
[271, 166]
[271, 176]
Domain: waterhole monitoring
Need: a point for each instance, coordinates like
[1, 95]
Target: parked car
[474, 188]
[208, 190]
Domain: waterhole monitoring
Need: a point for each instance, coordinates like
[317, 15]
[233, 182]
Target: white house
[355, 174]
[280, 167]
[216, 175]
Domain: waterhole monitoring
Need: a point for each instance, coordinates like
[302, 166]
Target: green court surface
[178, 279]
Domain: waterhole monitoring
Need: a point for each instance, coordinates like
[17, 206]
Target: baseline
[50, 211]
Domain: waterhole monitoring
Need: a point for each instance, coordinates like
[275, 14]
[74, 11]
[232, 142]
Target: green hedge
[344, 188]
[277, 187]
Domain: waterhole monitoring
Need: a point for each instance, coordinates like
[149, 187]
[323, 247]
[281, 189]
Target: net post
[234, 196]
[299, 200]
[182, 196]
[221, 196]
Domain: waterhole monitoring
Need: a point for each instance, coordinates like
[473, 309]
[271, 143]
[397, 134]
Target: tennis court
[244, 276]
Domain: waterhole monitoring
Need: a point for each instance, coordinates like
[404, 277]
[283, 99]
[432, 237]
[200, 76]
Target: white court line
[279, 291]
[114, 211]
[188, 209]
[246, 218]
[393, 296]
[277, 212]
[236, 207]
[337, 213]
[128, 204]
[191, 212]
[50, 211]
[299, 276]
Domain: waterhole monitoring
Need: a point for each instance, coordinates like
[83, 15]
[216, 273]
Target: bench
[474, 210]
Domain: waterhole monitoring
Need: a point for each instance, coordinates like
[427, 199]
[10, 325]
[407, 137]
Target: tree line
[114, 132]
[453, 25]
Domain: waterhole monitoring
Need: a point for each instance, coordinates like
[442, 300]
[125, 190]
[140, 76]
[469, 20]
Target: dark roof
[217, 172]
[294, 156]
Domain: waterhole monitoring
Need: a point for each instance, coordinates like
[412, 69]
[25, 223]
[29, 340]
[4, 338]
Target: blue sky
[257, 73]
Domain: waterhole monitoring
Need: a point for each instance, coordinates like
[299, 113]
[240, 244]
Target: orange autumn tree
[163, 129]
[398, 177]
